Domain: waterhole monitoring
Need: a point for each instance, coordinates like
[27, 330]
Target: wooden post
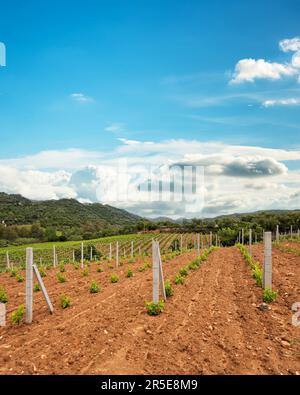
[7, 260]
[82, 265]
[155, 271]
[110, 251]
[43, 288]
[2, 314]
[117, 254]
[243, 236]
[250, 241]
[210, 239]
[291, 231]
[29, 286]
[54, 257]
[158, 278]
[161, 274]
[73, 256]
[198, 244]
[91, 254]
[181, 243]
[132, 249]
[277, 233]
[140, 251]
[267, 269]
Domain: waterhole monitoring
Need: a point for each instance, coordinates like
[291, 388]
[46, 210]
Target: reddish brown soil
[212, 323]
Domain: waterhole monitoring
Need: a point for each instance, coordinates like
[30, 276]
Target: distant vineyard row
[67, 251]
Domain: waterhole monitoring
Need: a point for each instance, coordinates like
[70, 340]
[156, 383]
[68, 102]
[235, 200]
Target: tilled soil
[211, 325]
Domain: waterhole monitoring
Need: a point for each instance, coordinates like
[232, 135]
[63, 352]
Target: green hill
[25, 221]
[17, 210]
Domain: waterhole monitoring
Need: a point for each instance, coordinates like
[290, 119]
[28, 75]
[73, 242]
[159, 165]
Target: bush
[141, 269]
[168, 289]
[178, 279]
[36, 287]
[183, 271]
[114, 278]
[3, 295]
[110, 266]
[17, 315]
[99, 270]
[13, 272]
[60, 278]
[155, 308]
[62, 268]
[94, 288]
[255, 267]
[65, 301]
[42, 272]
[19, 278]
[269, 295]
[76, 265]
[85, 272]
[193, 266]
[129, 273]
[257, 274]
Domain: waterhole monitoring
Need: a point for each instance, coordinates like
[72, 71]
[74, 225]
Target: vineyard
[67, 252]
[217, 316]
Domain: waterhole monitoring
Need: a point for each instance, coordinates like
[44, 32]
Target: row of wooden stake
[30, 271]
[198, 243]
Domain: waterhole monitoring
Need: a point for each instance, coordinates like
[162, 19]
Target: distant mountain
[163, 219]
[17, 210]
[229, 216]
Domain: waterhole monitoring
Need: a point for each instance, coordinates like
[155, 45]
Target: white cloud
[249, 70]
[237, 166]
[252, 69]
[296, 60]
[68, 159]
[236, 177]
[290, 44]
[36, 185]
[81, 98]
[281, 102]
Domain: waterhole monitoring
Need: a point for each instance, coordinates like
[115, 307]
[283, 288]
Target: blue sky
[81, 75]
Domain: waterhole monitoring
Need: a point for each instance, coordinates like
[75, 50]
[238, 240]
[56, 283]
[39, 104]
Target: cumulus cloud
[256, 167]
[252, 69]
[237, 166]
[249, 70]
[84, 182]
[290, 44]
[296, 60]
[36, 185]
[235, 177]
